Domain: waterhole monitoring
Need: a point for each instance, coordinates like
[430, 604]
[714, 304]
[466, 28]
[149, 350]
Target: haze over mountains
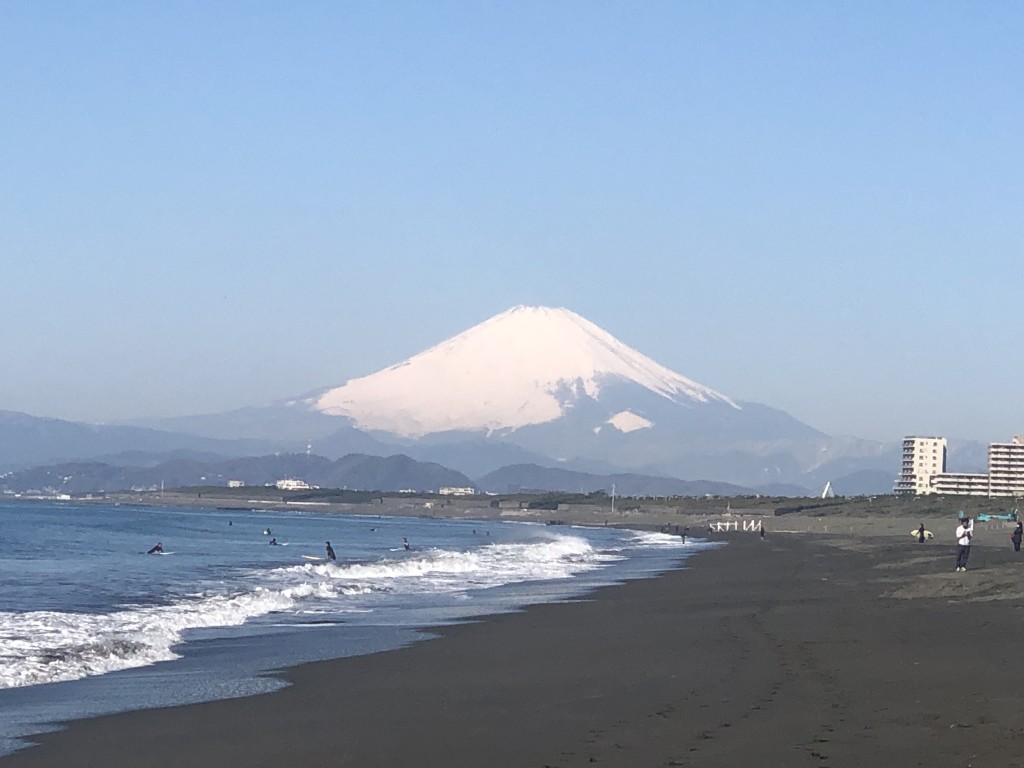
[532, 386]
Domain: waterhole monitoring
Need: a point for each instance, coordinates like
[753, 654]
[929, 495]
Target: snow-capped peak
[524, 366]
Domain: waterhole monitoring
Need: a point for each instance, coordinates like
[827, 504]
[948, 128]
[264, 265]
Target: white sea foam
[439, 570]
[653, 539]
[49, 646]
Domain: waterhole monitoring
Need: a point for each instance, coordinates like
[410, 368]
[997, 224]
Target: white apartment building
[960, 484]
[923, 459]
[918, 475]
[1006, 468]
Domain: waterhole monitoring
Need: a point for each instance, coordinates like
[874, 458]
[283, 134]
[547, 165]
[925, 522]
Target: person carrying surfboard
[330, 552]
[964, 534]
[920, 534]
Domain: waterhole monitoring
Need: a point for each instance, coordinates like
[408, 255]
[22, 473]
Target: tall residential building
[1006, 468]
[924, 470]
[923, 458]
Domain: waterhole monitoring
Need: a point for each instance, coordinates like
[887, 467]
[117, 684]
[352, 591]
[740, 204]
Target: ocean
[91, 624]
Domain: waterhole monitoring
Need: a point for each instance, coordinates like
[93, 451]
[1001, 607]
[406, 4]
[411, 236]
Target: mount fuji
[537, 385]
[565, 392]
[524, 367]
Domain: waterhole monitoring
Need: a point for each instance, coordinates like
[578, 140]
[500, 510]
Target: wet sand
[794, 651]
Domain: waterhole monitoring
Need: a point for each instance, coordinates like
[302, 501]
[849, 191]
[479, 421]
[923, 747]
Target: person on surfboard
[158, 547]
[330, 552]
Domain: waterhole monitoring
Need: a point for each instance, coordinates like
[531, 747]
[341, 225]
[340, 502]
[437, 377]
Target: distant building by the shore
[923, 470]
[455, 491]
[292, 485]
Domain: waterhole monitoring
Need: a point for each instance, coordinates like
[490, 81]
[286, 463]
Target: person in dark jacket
[1016, 536]
[920, 534]
[330, 552]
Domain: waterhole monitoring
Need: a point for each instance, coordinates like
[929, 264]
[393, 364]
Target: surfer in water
[157, 548]
[330, 552]
[273, 542]
[405, 543]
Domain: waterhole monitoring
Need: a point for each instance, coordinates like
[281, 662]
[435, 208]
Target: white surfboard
[312, 557]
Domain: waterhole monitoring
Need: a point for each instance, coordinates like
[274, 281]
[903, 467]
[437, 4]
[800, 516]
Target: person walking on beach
[330, 552]
[920, 534]
[964, 534]
[761, 527]
[1016, 536]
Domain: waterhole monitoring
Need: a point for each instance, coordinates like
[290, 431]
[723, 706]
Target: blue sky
[813, 205]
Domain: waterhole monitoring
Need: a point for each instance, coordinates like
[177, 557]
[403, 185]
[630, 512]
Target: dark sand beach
[795, 651]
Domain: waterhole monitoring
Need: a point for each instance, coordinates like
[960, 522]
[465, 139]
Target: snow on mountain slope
[627, 421]
[524, 366]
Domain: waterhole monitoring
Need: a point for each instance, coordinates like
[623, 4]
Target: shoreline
[250, 656]
[792, 651]
[858, 516]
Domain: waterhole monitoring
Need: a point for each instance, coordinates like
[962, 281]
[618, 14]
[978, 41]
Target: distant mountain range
[27, 441]
[140, 471]
[524, 478]
[356, 472]
[531, 387]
